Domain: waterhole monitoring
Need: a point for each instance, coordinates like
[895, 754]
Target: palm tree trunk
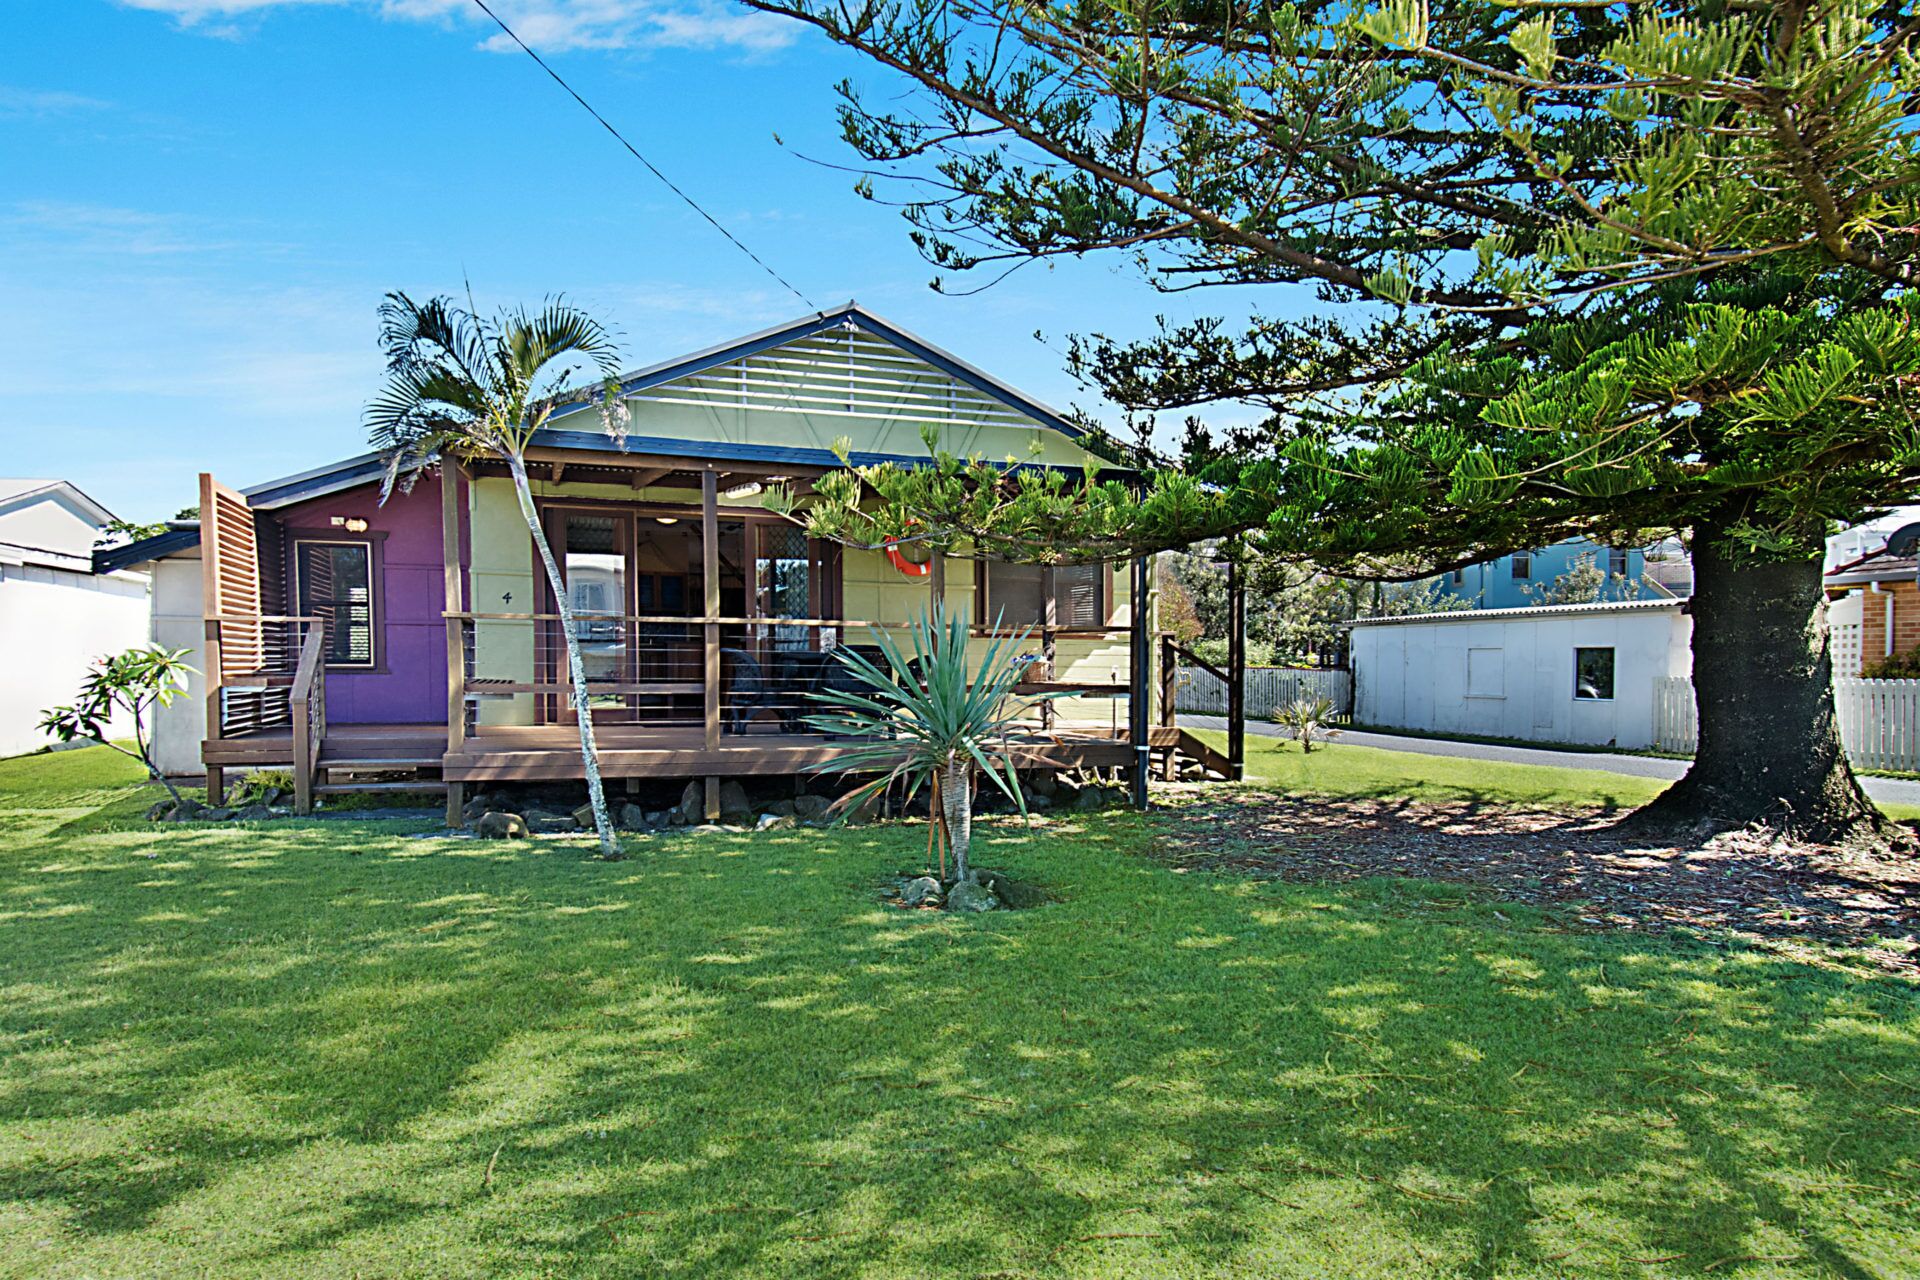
[956, 803]
[576, 669]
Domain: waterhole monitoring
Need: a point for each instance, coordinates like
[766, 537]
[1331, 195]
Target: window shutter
[1016, 594]
[1076, 595]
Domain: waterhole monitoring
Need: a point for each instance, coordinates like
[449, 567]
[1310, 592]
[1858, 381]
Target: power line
[634, 151]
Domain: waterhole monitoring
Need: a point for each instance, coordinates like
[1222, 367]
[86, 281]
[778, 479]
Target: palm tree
[461, 385]
[932, 718]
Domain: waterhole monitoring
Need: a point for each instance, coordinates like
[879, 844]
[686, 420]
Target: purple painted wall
[410, 686]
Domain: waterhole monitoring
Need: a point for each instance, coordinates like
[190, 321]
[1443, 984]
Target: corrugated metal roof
[1530, 611]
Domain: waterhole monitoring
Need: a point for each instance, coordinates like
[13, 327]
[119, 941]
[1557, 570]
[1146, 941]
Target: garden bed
[1578, 859]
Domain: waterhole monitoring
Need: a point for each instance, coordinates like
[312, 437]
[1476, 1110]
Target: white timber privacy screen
[1879, 720]
[1268, 689]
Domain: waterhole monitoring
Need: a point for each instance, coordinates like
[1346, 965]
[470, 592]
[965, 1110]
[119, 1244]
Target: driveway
[1885, 790]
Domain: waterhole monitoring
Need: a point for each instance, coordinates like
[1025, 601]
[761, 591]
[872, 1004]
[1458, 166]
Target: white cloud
[551, 26]
[16, 101]
[70, 227]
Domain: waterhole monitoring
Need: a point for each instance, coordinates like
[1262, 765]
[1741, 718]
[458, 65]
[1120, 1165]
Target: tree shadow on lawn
[339, 1051]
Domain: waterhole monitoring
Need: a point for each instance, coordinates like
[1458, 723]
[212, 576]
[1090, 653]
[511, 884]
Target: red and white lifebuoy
[909, 568]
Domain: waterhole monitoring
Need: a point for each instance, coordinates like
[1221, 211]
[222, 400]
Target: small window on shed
[1617, 562]
[1522, 565]
[1593, 675]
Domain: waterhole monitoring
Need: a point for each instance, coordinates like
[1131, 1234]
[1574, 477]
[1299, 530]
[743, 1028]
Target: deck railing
[251, 665]
[737, 676]
[308, 703]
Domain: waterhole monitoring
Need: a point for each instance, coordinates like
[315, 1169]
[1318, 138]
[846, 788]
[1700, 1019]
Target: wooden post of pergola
[455, 603]
[1139, 707]
[710, 575]
[1236, 669]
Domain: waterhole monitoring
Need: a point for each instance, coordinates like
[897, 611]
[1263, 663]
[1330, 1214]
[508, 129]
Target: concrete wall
[53, 624]
[176, 624]
[1514, 677]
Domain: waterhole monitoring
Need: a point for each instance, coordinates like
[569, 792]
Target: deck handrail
[308, 700]
[1182, 651]
[1033, 631]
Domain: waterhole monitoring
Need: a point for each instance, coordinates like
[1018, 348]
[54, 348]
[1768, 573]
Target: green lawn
[329, 1050]
[1348, 770]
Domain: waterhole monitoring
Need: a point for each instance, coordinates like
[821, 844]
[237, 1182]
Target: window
[1522, 566]
[333, 581]
[1616, 562]
[1459, 576]
[1017, 595]
[1593, 675]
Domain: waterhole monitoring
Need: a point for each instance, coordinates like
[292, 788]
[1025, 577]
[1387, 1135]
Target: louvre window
[1522, 566]
[1017, 595]
[333, 581]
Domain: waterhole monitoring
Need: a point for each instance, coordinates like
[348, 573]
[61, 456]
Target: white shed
[56, 613]
[1576, 673]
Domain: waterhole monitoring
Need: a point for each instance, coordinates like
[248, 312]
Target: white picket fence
[1879, 720]
[1268, 689]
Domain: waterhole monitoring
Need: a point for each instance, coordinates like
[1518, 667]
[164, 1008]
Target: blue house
[1516, 581]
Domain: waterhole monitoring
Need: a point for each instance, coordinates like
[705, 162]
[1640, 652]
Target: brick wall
[1906, 620]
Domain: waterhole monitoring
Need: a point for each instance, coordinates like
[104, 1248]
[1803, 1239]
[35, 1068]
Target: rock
[968, 895]
[583, 817]
[501, 826]
[811, 808]
[634, 818]
[774, 822]
[693, 803]
[920, 891]
[254, 813]
[1017, 895]
[783, 809]
[734, 805]
[188, 810]
[159, 812]
[216, 815]
[1037, 802]
[474, 808]
[1093, 798]
[861, 812]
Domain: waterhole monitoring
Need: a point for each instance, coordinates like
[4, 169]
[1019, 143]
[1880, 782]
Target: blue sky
[202, 201]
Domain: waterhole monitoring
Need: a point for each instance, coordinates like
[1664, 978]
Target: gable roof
[851, 318]
[14, 489]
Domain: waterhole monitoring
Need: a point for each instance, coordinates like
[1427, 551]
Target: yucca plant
[1305, 716]
[931, 719]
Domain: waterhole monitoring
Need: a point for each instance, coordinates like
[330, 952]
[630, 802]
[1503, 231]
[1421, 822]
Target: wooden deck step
[1213, 761]
[373, 788]
[371, 764]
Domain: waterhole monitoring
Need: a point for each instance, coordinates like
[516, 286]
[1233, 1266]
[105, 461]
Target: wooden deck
[552, 752]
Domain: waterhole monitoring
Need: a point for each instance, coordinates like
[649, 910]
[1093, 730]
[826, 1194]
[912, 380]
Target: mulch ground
[1579, 864]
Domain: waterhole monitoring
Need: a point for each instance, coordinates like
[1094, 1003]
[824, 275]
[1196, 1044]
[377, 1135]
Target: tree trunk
[956, 806]
[1769, 749]
[576, 669]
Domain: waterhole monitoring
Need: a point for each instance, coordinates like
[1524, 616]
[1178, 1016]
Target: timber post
[1236, 669]
[710, 628]
[1139, 694]
[455, 604]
